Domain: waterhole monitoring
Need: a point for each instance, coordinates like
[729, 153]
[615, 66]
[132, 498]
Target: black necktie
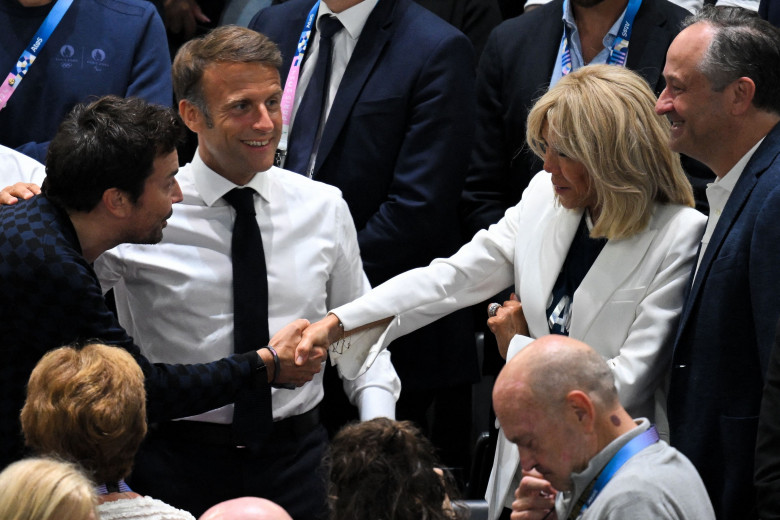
[308, 118]
[252, 415]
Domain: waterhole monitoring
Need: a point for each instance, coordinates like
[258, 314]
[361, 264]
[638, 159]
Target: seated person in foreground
[581, 452]
[386, 469]
[600, 248]
[45, 489]
[88, 405]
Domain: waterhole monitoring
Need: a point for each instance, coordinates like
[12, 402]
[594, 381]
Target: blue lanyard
[619, 50]
[25, 61]
[634, 446]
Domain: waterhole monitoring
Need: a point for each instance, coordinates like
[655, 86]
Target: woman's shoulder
[677, 216]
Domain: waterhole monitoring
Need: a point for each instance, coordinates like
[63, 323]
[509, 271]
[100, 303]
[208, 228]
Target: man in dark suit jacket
[516, 68]
[768, 441]
[723, 101]
[396, 142]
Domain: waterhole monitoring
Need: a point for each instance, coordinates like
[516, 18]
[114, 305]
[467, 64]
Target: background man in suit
[521, 60]
[557, 401]
[394, 136]
[723, 101]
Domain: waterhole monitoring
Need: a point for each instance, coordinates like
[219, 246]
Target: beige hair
[45, 489]
[604, 117]
[87, 405]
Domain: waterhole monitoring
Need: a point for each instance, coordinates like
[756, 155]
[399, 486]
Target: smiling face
[571, 180]
[243, 100]
[697, 113]
[154, 207]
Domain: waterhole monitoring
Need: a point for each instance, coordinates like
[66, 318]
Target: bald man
[582, 454]
[246, 508]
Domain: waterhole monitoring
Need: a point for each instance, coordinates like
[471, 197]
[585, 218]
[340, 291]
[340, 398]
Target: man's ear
[743, 90]
[191, 115]
[581, 409]
[117, 202]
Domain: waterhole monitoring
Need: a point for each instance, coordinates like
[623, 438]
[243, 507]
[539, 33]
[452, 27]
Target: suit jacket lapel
[760, 161]
[647, 48]
[373, 39]
[289, 42]
[543, 264]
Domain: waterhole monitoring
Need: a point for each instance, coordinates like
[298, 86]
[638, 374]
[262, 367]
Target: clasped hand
[302, 347]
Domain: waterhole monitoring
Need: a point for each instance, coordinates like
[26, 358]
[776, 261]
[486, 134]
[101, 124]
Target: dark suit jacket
[515, 70]
[768, 442]
[725, 337]
[396, 143]
[770, 10]
[475, 18]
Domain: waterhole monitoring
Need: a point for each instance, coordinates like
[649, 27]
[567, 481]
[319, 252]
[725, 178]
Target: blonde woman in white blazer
[607, 164]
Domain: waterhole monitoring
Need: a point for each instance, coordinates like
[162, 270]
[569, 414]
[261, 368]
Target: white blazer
[626, 307]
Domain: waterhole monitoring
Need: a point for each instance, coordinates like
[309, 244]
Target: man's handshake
[301, 348]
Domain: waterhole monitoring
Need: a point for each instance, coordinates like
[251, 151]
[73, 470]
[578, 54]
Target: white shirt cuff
[376, 402]
[517, 344]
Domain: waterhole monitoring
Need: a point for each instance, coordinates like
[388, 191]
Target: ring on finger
[493, 309]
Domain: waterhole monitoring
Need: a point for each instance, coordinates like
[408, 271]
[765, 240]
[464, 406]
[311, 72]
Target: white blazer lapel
[541, 266]
[609, 272]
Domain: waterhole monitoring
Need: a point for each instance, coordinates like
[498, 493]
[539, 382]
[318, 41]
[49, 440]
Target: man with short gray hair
[722, 99]
[581, 452]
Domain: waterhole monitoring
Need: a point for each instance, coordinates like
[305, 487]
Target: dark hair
[225, 44]
[743, 45]
[109, 143]
[384, 470]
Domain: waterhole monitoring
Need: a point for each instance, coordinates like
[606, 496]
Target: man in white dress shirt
[177, 298]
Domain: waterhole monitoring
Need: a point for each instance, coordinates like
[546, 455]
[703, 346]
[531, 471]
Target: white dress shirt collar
[212, 186]
[718, 194]
[353, 19]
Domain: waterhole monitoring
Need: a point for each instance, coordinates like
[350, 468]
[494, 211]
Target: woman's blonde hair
[87, 405]
[604, 117]
[46, 489]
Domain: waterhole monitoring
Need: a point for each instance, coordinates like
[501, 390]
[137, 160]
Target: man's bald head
[556, 400]
[246, 508]
[551, 367]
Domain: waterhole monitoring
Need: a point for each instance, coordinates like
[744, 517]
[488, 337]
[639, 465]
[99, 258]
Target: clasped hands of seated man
[534, 498]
